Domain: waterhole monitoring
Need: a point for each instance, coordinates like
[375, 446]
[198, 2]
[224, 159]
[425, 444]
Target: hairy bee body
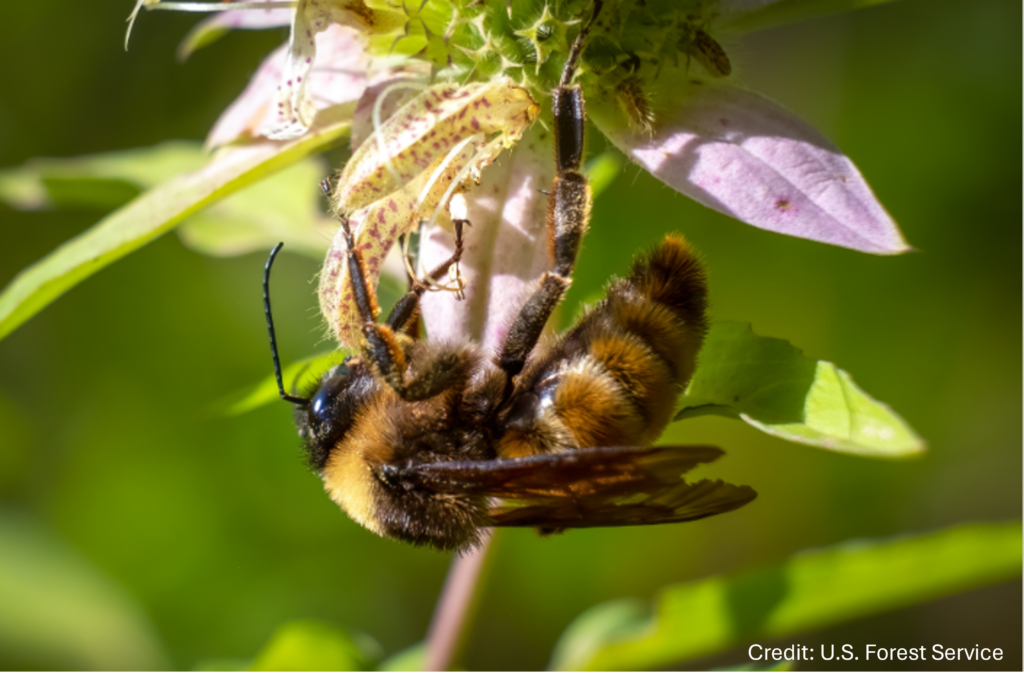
[432, 443]
[610, 381]
[613, 379]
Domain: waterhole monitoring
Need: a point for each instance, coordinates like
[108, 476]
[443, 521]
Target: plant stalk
[455, 608]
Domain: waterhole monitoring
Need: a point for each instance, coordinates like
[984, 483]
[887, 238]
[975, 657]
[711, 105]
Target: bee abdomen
[614, 379]
[646, 337]
[664, 302]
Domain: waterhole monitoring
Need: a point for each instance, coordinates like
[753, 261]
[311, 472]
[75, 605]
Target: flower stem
[455, 608]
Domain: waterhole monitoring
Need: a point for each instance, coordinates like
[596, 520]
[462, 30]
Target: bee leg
[405, 314]
[381, 343]
[568, 215]
[404, 317]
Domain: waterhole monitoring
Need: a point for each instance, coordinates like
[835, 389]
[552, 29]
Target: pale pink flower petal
[209, 29]
[295, 105]
[505, 248]
[741, 154]
[339, 76]
[250, 18]
[437, 145]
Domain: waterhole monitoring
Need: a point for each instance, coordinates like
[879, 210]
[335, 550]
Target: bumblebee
[432, 443]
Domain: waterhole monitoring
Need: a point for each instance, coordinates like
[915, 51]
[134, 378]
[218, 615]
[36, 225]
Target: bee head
[326, 413]
[333, 405]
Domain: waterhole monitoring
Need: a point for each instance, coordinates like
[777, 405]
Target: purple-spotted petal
[295, 96]
[741, 154]
[398, 86]
[339, 76]
[505, 248]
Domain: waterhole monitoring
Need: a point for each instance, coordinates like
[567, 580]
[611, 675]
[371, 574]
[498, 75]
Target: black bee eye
[325, 398]
[328, 415]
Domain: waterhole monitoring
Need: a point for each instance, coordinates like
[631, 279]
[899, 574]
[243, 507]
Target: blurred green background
[196, 536]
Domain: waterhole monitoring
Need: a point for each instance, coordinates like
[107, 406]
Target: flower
[657, 83]
[339, 76]
[294, 105]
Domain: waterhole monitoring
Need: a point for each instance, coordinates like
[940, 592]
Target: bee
[432, 443]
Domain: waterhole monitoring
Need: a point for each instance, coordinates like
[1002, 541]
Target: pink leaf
[743, 155]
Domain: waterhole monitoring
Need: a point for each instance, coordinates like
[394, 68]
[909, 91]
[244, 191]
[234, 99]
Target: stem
[455, 608]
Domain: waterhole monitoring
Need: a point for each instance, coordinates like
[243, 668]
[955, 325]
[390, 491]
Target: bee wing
[680, 502]
[612, 486]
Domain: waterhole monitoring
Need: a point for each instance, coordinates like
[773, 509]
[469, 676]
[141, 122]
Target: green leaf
[106, 180]
[771, 385]
[60, 613]
[779, 12]
[811, 590]
[264, 392]
[591, 631]
[409, 659]
[285, 207]
[202, 34]
[297, 375]
[22, 189]
[315, 646]
[157, 211]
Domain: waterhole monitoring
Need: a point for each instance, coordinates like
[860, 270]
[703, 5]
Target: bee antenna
[301, 401]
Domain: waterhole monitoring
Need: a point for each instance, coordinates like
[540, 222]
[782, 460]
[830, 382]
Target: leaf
[60, 613]
[285, 207]
[297, 375]
[265, 392]
[409, 659]
[589, 633]
[315, 646]
[105, 180]
[156, 212]
[771, 385]
[752, 15]
[811, 590]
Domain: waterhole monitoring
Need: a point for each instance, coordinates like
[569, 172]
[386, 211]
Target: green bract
[527, 40]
